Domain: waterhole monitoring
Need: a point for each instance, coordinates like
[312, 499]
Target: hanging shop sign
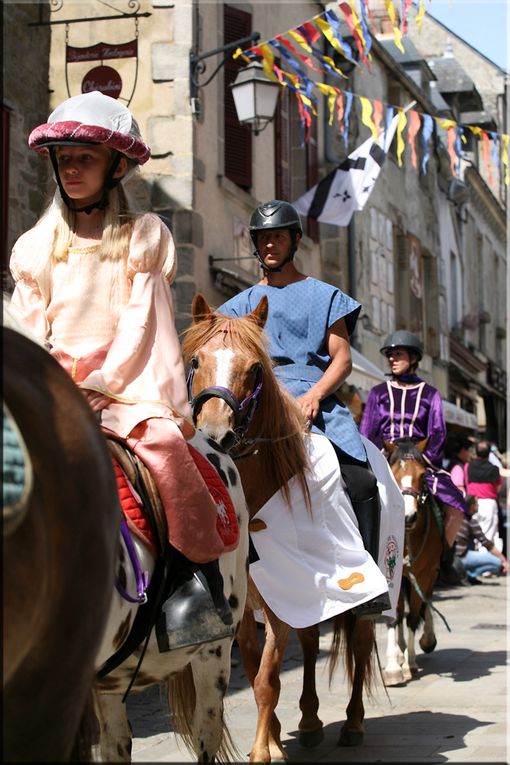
[102, 78]
[105, 77]
[101, 52]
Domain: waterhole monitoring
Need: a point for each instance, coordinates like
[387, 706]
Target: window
[238, 138]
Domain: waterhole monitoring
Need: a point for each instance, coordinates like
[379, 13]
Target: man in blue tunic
[308, 328]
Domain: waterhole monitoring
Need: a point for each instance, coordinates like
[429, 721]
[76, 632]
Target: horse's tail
[182, 701]
[87, 733]
[355, 639]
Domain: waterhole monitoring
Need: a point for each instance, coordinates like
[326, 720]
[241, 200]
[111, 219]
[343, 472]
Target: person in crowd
[483, 481]
[92, 281]
[461, 456]
[407, 407]
[485, 561]
[308, 328]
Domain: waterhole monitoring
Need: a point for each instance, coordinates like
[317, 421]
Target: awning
[364, 373]
[457, 416]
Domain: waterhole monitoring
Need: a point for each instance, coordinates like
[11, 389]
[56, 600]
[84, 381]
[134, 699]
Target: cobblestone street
[454, 712]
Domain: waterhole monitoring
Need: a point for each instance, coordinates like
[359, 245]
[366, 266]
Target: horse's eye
[194, 362]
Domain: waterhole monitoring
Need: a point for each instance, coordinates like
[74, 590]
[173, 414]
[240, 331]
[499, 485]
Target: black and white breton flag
[346, 189]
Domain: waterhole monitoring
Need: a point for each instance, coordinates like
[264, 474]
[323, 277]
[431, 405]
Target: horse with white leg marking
[238, 401]
[423, 548]
[196, 677]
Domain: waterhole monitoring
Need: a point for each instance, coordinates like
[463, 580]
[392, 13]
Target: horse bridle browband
[218, 391]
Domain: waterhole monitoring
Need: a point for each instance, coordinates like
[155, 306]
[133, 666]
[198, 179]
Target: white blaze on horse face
[224, 362]
[409, 499]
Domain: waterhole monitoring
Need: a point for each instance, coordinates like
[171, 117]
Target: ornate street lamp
[255, 97]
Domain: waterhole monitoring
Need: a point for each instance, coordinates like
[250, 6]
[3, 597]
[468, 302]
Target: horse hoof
[414, 672]
[350, 738]
[394, 678]
[311, 738]
[427, 647]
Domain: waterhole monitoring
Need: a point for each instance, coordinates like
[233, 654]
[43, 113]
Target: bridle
[242, 419]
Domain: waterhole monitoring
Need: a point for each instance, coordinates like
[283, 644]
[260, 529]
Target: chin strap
[110, 183]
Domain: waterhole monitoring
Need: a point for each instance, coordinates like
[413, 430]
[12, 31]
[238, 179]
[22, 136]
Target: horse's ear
[422, 445]
[259, 315]
[390, 448]
[200, 309]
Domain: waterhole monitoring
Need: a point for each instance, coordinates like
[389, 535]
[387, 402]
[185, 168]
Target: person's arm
[436, 431]
[27, 300]
[340, 367]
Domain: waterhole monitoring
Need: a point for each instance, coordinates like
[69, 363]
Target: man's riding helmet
[91, 119]
[403, 339]
[275, 214]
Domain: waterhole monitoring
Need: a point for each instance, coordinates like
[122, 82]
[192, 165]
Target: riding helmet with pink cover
[92, 118]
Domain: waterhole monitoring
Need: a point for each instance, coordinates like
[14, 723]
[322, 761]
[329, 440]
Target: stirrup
[371, 609]
[189, 617]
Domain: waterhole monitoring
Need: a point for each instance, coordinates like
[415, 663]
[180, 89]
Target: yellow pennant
[239, 53]
[420, 14]
[332, 94]
[332, 65]
[402, 122]
[267, 62]
[397, 36]
[366, 115]
[329, 35]
[391, 11]
[298, 37]
[357, 25]
[476, 130]
[445, 124]
[504, 157]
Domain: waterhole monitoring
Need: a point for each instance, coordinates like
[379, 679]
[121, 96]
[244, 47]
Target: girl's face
[83, 171]
[399, 360]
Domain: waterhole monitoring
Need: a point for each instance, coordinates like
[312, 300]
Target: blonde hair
[117, 228]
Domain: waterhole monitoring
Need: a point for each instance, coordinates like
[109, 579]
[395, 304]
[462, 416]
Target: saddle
[139, 497]
[142, 506]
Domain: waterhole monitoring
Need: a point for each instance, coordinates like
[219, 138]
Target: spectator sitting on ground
[486, 561]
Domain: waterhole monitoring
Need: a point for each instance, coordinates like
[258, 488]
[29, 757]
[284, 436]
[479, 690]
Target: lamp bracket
[197, 64]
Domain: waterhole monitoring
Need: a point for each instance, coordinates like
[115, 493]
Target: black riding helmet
[275, 214]
[403, 339]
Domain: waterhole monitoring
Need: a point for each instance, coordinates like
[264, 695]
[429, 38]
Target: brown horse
[423, 548]
[60, 542]
[250, 414]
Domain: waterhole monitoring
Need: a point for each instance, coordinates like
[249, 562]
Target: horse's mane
[406, 450]
[279, 417]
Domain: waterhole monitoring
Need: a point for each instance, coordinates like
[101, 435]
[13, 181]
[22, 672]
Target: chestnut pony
[248, 403]
[422, 550]
[60, 542]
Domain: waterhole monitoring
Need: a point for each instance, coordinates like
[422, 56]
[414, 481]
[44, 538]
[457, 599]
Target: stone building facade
[25, 102]
[207, 174]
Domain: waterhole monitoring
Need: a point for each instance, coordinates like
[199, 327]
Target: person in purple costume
[308, 328]
[407, 407]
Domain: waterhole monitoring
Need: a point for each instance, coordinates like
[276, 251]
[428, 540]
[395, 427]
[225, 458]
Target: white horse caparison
[196, 674]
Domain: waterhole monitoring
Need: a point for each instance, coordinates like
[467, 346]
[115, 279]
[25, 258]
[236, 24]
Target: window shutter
[238, 138]
[282, 147]
[312, 176]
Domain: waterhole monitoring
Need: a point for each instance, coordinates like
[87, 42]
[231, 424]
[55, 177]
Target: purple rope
[142, 577]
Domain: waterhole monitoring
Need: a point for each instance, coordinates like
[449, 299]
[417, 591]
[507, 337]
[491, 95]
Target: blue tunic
[300, 315]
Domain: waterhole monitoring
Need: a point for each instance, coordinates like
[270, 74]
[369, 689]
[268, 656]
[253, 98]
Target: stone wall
[25, 94]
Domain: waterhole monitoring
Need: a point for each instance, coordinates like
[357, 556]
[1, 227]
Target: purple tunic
[416, 411]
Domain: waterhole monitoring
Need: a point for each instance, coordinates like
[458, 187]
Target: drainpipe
[351, 272]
